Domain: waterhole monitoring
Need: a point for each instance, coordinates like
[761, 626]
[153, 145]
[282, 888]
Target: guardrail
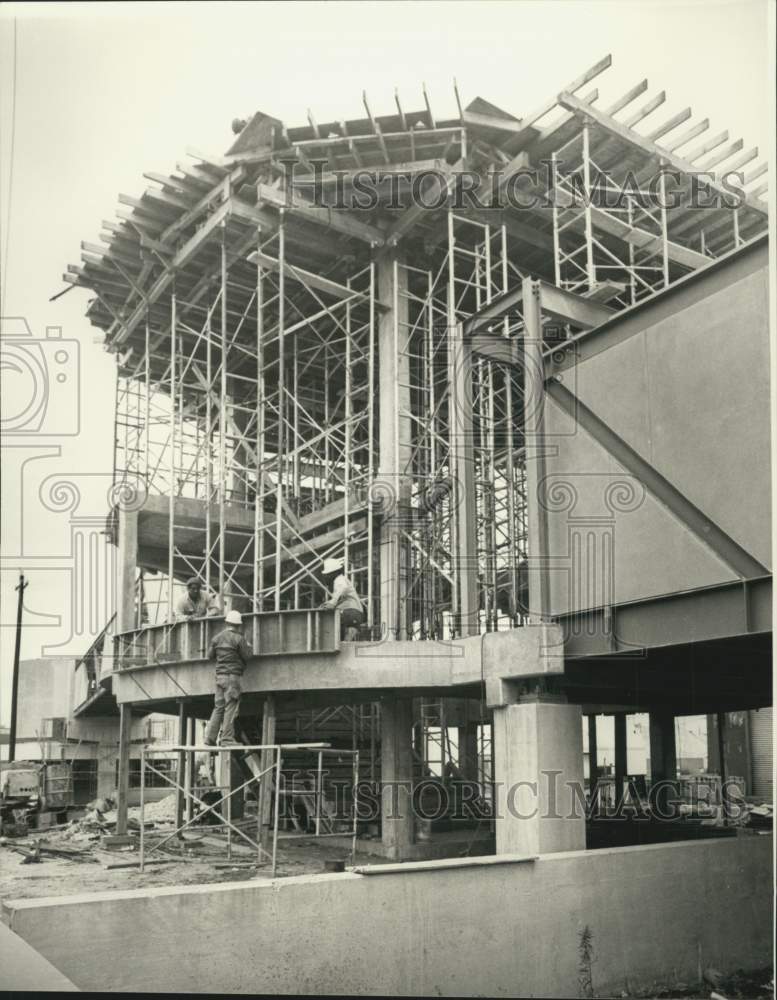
[268, 633]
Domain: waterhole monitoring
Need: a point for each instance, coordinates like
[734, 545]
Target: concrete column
[127, 569]
[593, 758]
[540, 798]
[663, 753]
[268, 758]
[122, 787]
[395, 439]
[468, 751]
[620, 754]
[396, 762]
[179, 794]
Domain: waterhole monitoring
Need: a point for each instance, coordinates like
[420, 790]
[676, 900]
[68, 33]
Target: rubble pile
[162, 811]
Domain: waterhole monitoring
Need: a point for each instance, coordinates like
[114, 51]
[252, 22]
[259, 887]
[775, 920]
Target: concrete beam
[499, 658]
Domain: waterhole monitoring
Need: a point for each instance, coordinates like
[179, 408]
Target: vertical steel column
[589, 235]
[371, 448]
[223, 420]
[512, 522]
[664, 226]
[491, 533]
[632, 263]
[281, 410]
[534, 394]
[171, 444]
[259, 437]
[122, 784]
[208, 444]
[555, 213]
[456, 583]
[505, 279]
[147, 420]
[348, 438]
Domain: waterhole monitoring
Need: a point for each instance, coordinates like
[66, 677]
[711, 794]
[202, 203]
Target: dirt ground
[59, 877]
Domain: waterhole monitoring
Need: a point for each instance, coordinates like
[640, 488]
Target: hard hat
[193, 582]
[234, 618]
[332, 566]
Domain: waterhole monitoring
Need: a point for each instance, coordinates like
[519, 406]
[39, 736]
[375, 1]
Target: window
[84, 774]
[165, 765]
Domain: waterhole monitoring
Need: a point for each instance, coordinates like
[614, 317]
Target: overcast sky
[105, 92]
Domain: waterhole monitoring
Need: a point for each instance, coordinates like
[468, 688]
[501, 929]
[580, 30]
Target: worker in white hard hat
[196, 604]
[231, 653]
[344, 598]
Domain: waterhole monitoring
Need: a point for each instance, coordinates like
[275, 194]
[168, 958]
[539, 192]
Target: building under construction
[520, 387]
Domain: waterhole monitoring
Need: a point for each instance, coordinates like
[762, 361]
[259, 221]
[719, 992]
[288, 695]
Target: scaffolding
[296, 380]
[196, 801]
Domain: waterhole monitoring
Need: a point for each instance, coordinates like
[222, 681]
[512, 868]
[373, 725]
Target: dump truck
[33, 794]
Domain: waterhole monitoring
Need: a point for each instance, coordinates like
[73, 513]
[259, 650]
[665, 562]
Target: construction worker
[196, 604]
[344, 598]
[231, 653]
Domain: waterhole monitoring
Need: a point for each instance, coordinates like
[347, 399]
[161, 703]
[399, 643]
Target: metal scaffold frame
[268, 778]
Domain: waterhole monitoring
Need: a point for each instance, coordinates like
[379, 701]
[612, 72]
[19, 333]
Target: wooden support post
[593, 759]
[122, 784]
[620, 755]
[267, 760]
[397, 821]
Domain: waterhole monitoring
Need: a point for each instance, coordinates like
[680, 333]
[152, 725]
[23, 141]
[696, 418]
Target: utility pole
[20, 587]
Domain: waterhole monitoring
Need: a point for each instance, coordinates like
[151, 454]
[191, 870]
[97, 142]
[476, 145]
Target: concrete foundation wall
[500, 928]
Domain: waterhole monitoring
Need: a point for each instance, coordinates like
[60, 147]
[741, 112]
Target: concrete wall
[482, 927]
[45, 692]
